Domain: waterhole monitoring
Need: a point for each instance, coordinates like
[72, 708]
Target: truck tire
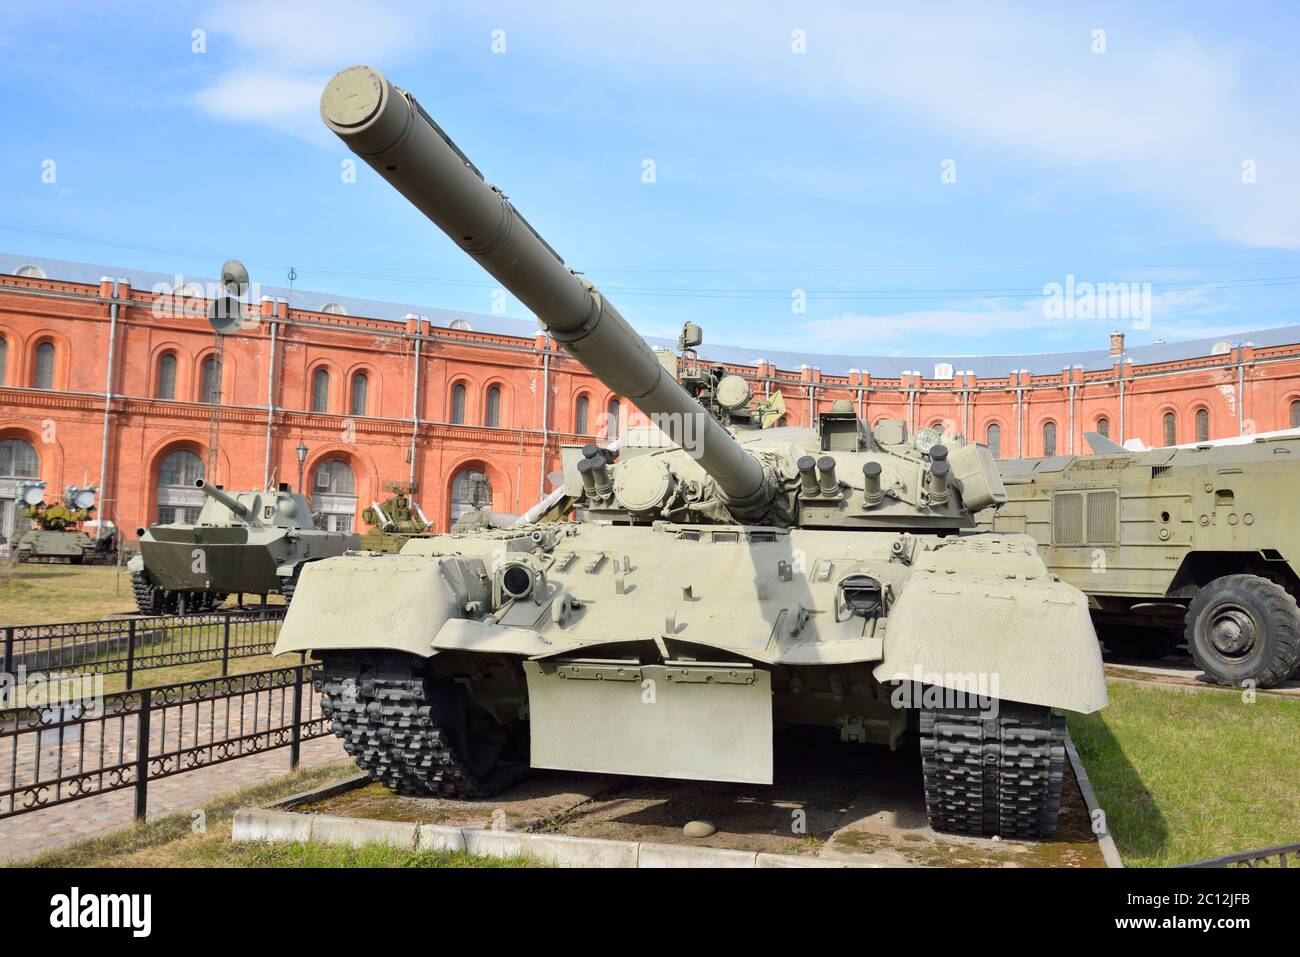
[1244, 629]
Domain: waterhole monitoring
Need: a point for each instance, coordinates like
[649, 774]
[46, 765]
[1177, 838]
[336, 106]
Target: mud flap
[697, 721]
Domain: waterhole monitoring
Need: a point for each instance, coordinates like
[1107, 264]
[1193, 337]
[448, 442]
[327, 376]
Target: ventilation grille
[1067, 518]
[1102, 518]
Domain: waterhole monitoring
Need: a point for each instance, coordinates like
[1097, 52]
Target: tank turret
[225, 498]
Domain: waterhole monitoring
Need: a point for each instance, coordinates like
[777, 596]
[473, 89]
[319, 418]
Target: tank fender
[1018, 639]
[380, 602]
[135, 564]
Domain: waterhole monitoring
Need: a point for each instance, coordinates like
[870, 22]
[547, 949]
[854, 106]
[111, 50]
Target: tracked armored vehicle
[1175, 544]
[394, 521]
[63, 531]
[250, 543]
[722, 578]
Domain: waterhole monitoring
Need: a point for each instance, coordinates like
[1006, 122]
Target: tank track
[986, 776]
[287, 586]
[385, 714]
[147, 598]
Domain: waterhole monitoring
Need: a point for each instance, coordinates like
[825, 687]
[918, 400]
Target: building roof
[1041, 363]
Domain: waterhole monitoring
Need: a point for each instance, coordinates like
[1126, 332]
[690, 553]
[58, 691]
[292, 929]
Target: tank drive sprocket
[987, 774]
[415, 734]
[149, 598]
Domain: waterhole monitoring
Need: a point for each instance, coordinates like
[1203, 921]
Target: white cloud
[1175, 314]
[287, 103]
[285, 50]
[1163, 116]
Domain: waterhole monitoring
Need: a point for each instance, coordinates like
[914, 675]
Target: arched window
[320, 390]
[165, 388]
[334, 494]
[210, 381]
[994, 440]
[1049, 438]
[580, 409]
[613, 421]
[458, 403]
[181, 467]
[178, 499]
[18, 459]
[1103, 427]
[4, 358]
[470, 489]
[360, 393]
[492, 413]
[335, 477]
[44, 378]
[1171, 429]
[1202, 425]
[1295, 414]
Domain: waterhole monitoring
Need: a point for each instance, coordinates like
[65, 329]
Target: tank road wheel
[210, 601]
[415, 734]
[1244, 628]
[993, 775]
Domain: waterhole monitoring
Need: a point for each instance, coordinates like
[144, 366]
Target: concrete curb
[1109, 852]
[560, 850]
[320, 793]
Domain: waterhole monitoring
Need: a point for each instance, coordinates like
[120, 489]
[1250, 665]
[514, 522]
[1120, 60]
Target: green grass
[39, 594]
[45, 594]
[1185, 777]
[36, 594]
[171, 842]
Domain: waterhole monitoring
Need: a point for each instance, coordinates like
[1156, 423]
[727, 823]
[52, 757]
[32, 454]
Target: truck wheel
[1243, 628]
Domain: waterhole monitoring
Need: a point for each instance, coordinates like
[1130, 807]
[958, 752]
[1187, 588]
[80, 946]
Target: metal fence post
[225, 646]
[9, 650]
[142, 757]
[130, 652]
[295, 749]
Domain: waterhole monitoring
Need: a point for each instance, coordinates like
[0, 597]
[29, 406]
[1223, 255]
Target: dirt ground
[829, 799]
[1181, 670]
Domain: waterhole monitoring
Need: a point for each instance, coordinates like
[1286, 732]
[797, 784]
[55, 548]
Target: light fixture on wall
[301, 452]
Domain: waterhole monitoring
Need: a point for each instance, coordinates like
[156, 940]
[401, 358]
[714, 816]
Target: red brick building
[108, 383]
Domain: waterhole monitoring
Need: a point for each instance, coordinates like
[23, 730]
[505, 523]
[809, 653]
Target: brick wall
[66, 424]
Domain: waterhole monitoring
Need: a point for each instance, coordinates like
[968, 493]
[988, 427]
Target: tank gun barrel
[388, 129]
[225, 498]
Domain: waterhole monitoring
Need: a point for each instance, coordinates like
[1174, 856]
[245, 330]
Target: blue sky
[775, 170]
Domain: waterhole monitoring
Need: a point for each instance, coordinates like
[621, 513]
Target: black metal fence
[1287, 855]
[128, 645]
[87, 745]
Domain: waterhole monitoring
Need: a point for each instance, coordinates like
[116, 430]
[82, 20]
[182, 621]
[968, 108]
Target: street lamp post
[301, 450]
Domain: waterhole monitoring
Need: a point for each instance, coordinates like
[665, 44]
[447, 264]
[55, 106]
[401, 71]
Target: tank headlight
[516, 581]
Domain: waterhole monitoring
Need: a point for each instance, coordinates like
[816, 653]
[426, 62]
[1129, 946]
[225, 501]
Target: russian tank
[720, 579]
[63, 531]
[249, 543]
[394, 521]
[1174, 545]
